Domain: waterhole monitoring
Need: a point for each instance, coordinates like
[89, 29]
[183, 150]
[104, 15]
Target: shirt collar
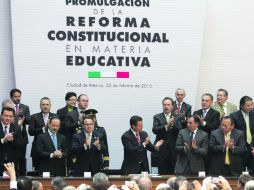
[134, 132]
[8, 126]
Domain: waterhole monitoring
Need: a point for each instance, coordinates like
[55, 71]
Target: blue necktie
[54, 141]
[5, 130]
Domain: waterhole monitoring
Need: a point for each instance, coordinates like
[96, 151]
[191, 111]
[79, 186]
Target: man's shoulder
[159, 115]
[24, 105]
[61, 110]
[187, 105]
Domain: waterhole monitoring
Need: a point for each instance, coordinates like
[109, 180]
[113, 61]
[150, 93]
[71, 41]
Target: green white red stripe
[108, 74]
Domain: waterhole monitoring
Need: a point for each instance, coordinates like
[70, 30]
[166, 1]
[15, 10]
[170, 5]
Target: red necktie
[138, 138]
[179, 107]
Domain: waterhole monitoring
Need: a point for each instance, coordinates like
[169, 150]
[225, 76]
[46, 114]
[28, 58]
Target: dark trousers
[21, 162]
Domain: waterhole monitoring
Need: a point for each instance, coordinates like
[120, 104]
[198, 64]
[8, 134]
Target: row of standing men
[166, 126]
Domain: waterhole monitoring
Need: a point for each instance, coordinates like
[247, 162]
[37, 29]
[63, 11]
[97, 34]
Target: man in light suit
[87, 147]
[164, 128]
[192, 146]
[136, 143]
[222, 105]
[39, 125]
[181, 109]
[227, 148]
[52, 149]
[22, 118]
[244, 121]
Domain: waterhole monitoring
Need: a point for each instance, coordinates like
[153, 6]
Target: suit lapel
[1, 131]
[133, 138]
[41, 120]
[49, 140]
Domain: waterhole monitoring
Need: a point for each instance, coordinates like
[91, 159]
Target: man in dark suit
[52, 149]
[227, 148]
[181, 109]
[244, 121]
[72, 123]
[165, 129]
[88, 147]
[92, 113]
[192, 146]
[38, 126]
[11, 138]
[22, 118]
[210, 120]
[136, 143]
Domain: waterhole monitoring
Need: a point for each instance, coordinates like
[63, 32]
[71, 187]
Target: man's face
[192, 126]
[7, 117]
[248, 106]
[138, 127]
[88, 125]
[206, 102]
[16, 98]
[180, 94]
[54, 126]
[71, 101]
[226, 125]
[45, 106]
[83, 102]
[167, 106]
[221, 97]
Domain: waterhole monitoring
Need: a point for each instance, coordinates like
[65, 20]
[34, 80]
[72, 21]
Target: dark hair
[24, 183]
[87, 117]
[244, 99]
[13, 91]
[230, 118]
[80, 96]
[134, 120]
[168, 98]
[69, 95]
[223, 90]
[196, 119]
[243, 179]
[8, 109]
[208, 94]
[54, 117]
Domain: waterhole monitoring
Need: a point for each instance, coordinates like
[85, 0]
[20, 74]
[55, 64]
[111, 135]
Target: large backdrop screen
[126, 55]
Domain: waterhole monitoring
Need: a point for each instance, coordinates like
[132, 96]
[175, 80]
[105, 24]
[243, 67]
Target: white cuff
[13, 185]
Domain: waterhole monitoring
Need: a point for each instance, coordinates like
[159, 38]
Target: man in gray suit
[227, 146]
[222, 105]
[192, 146]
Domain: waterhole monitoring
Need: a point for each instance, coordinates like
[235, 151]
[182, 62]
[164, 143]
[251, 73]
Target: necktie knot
[179, 107]
[138, 138]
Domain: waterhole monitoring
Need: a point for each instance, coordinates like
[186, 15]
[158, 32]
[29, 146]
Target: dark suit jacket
[240, 124]
[185, 112]
[218, 152]
[169, 137]
[102, 131]
[212, 120]
[195, 157]
[45, 146]
[26, 112]
[9, 150]
[35, 128]
[68, 129]
[90, 159]
[134, 153]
